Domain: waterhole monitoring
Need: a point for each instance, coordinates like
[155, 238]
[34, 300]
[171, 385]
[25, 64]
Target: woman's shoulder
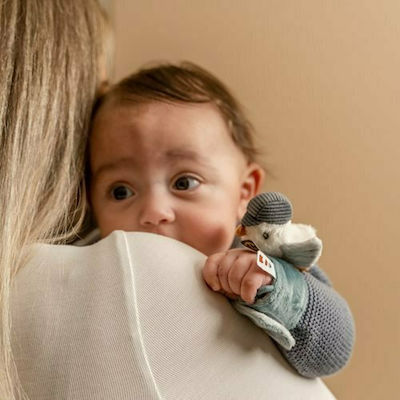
[90, 238]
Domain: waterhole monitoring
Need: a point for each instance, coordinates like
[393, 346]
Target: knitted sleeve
[325, 333]
[316, 316]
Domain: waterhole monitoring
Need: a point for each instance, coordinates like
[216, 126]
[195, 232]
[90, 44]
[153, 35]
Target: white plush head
[267, 237]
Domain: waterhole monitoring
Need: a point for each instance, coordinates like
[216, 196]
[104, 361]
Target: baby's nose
[156, 210]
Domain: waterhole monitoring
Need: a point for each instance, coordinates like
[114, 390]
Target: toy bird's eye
[265, 235]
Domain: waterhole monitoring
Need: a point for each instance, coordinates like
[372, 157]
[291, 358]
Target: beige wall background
[320, 81]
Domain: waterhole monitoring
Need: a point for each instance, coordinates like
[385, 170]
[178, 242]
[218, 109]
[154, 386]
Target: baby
[171, 152]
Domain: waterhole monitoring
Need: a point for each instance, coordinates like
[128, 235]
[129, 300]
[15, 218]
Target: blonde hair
[49, 69]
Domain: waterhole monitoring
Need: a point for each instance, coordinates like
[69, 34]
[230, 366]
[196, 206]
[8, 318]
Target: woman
[49, 68]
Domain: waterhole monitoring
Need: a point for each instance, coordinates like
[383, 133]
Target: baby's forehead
[120, 111]
[191, 128]
[111, 105]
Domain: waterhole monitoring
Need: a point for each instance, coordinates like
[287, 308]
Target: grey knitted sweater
[318, 318]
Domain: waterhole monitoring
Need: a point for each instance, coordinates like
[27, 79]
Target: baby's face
[169, 169]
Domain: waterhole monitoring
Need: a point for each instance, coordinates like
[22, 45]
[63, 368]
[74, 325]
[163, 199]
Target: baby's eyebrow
[111, 166]
[175, 155]
[178, 154]
[170, 156]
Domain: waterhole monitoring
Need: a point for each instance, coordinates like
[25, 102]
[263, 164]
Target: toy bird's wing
[302, 254]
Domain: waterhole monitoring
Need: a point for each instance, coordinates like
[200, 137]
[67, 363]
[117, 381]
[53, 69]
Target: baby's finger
[237, 272]
[229, 295]
[224, 267]
[210, 271]
[252, 281]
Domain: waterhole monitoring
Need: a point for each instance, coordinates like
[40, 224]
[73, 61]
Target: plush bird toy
[267, 226]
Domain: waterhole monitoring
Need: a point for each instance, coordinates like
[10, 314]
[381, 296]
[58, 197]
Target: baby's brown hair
[185, 83]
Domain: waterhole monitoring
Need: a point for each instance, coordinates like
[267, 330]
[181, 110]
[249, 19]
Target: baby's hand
[235, 273]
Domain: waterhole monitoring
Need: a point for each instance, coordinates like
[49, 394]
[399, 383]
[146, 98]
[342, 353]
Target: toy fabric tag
[265, 264]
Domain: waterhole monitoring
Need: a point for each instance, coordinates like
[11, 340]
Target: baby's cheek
[210, 236]
[109, 222]
[105, 225]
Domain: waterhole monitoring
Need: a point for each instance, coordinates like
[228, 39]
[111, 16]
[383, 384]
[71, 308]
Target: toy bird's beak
[240, 230]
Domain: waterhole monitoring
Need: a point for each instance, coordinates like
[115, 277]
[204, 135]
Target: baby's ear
[251, 184]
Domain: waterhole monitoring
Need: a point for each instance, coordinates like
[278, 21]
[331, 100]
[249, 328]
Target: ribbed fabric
[131, 318]
[325, 333]
[270, 207]
[76, 327]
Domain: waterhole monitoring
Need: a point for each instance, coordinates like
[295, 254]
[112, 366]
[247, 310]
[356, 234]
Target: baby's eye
[121, 192]
[186, 183]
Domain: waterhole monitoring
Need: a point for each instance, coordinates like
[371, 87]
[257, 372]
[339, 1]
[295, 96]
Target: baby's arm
[317, 317]
[325, 333]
